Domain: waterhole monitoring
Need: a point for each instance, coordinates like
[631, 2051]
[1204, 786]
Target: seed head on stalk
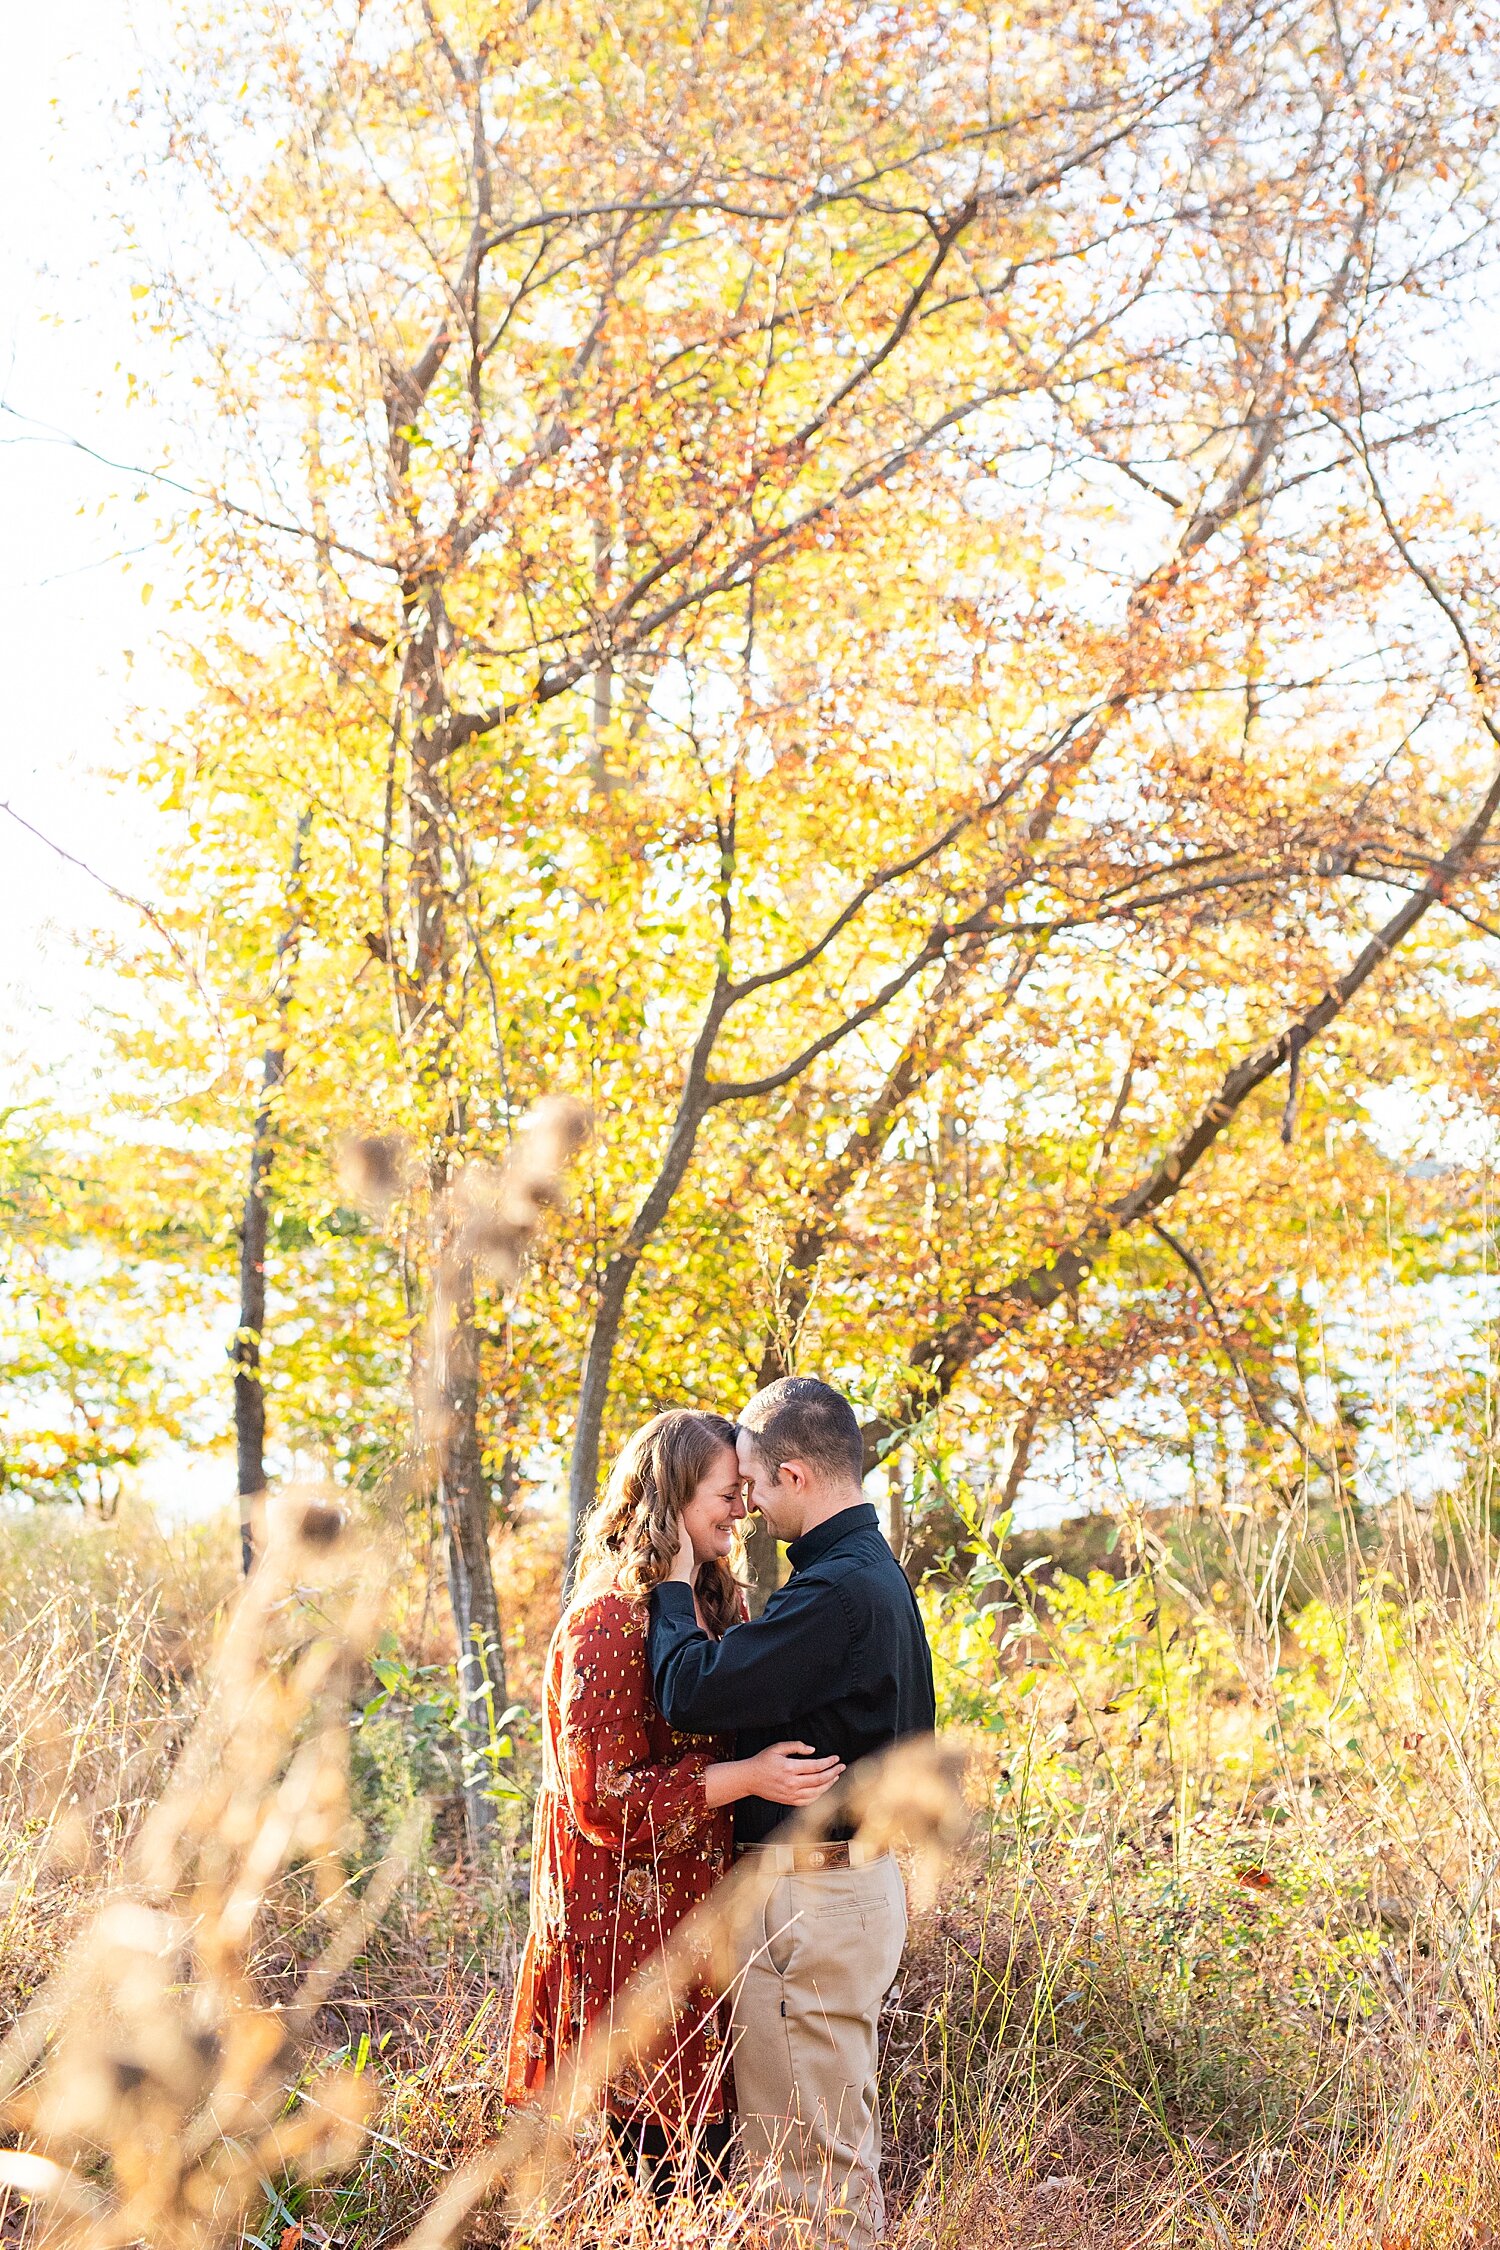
[154, 2083]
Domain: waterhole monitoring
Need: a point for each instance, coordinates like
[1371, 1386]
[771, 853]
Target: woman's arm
[786, 1774]
[619, 1796]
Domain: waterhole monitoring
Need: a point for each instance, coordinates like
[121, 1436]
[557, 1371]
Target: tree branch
[986, 1315]
[1262, 1413]
[139, 906]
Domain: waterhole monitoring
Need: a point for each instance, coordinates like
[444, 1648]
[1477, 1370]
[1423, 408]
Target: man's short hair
[801, 1419]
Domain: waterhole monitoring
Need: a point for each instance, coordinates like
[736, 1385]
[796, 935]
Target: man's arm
[764, 1674]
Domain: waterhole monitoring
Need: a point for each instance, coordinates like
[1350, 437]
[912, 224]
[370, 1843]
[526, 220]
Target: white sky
[77, 646]
[71, 616]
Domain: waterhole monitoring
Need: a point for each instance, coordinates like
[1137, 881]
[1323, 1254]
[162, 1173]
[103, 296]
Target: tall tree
[833, 610]
[633, 395]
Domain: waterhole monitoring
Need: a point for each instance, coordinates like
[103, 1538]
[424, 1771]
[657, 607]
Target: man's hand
[789, 1774]
[685, 1569]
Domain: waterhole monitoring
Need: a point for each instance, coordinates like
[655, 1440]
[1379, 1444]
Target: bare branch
[988, 1314]
[139, 906]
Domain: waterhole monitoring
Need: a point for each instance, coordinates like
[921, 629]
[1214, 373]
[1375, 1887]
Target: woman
[632, 1824]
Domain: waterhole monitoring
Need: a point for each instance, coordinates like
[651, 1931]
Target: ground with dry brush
[1217, 1965]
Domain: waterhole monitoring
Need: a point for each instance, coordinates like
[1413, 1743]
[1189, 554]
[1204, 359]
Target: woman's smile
[714, 1509]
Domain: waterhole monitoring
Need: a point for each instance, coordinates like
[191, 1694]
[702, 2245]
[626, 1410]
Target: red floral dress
[625, 1844]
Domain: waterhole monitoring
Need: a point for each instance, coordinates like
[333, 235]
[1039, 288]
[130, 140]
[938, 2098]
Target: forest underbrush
[1216, 1965]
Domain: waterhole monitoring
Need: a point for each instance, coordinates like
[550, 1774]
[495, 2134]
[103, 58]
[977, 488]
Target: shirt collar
[818, 1541]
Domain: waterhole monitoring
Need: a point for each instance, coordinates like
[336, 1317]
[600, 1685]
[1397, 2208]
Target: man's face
[777, 1496]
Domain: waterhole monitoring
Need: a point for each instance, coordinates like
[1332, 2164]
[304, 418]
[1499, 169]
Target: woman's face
[715, 1508]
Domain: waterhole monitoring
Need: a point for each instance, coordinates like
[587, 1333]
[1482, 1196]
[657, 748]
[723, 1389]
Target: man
[840, 1659]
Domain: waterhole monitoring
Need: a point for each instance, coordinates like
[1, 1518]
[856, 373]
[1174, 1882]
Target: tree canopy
[896, 601]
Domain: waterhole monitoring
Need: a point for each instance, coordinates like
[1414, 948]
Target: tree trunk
[245, 1352]
[464, 1503]
[249, 1392]
[1023, 1439]
[448, 1416]
[604, 1334]
[762, 1554]
[593, 1398]
[896, 1526]
[762, 1565]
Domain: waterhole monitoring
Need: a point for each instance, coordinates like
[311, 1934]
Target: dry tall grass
[1218, 1968]
[1225, 1970]
[104, 1633]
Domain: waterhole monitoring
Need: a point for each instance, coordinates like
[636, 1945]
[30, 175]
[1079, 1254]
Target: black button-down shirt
[839, 1658]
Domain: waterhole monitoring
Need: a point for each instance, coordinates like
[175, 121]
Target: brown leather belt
[806, 1859]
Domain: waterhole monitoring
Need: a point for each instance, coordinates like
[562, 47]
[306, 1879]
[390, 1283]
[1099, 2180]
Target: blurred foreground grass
[1219, 1966]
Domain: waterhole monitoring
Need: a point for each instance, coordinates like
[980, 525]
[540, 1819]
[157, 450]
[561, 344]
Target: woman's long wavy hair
[633, 1534]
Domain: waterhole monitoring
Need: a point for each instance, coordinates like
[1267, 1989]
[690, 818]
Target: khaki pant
[813, 1972]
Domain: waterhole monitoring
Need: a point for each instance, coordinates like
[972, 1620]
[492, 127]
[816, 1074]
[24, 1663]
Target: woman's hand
[685, 1569]
[789, 1774]
[786, 1774]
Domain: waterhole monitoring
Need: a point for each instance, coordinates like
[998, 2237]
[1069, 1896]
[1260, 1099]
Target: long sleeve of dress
[621, 1798]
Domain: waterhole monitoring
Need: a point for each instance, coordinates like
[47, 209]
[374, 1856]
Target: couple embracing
[679, 1734]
